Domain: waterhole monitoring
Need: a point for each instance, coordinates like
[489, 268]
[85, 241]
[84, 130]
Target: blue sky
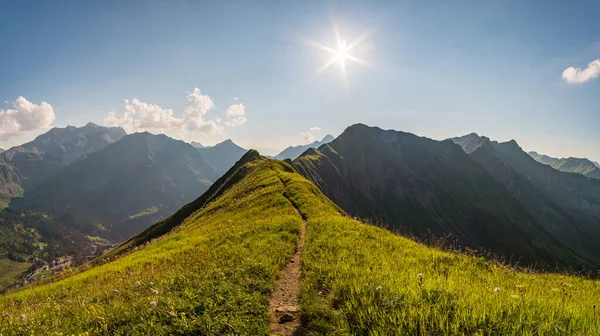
[439, 69]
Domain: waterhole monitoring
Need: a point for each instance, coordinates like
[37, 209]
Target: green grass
[360, 279]
[214, 274]
[10, 270]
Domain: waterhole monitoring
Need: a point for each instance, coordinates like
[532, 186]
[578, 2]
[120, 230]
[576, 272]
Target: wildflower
[138, 283]
[497, 289]
[221, 274]
[172, 313]
[420, 276]
[23, 316]
[153, 304]
[379, 288]
[7, 315]
[155, 291]
[115, 290]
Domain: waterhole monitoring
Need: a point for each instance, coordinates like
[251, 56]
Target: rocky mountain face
[569, 165]
[36, 161]
[293, 152]
[430, 189]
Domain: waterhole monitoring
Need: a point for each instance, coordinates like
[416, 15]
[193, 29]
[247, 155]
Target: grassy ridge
[360, 279]
[211, 275]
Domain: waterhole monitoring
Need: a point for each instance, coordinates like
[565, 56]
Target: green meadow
[213, 274]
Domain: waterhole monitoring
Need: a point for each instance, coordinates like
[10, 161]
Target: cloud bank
[139, 116]
[578, 75]
[25, 117]
[309, 135]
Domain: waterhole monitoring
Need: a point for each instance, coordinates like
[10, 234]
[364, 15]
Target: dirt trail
[284, 312]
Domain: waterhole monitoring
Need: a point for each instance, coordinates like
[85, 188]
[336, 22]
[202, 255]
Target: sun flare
[341, 54]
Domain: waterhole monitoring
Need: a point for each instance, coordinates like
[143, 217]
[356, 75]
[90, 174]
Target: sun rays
[342, 53]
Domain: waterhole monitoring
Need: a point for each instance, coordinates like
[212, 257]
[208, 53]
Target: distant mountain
[293, 152]
[569, 165]
[128, 185]
[566, 205]
[430, 189]
[2, 150]
[36, 161]
[197, 144]
[596, 164]
[222, 156]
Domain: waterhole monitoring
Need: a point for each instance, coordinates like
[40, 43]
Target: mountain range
[438, 190]
[37, 161]
[131, 183]
[293, 152]
[466, 192]
[567, 205]
[584, 167]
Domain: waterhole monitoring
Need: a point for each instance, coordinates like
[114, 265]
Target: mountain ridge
[126, 185]
[582, 166]
[428, 188]
[293, 152]
[36, 161]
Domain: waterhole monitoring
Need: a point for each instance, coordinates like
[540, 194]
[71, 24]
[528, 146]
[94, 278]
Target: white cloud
[140, 116]
[25, 117]
[236, 121]
[309, 136]
[578, 75]
[235, 98]
[235, 110]
[235, 114]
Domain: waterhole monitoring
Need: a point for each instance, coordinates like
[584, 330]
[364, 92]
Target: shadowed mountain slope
[126, 186]
[222, 156]
[565, 204]
[430, 189]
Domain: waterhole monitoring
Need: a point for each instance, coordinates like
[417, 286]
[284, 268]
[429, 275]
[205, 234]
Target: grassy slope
[214, 274]
[9, 270]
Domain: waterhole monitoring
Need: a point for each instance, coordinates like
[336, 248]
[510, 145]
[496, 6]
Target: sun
[342, 54]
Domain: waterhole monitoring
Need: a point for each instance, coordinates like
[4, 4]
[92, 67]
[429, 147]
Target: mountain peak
[197, 144]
